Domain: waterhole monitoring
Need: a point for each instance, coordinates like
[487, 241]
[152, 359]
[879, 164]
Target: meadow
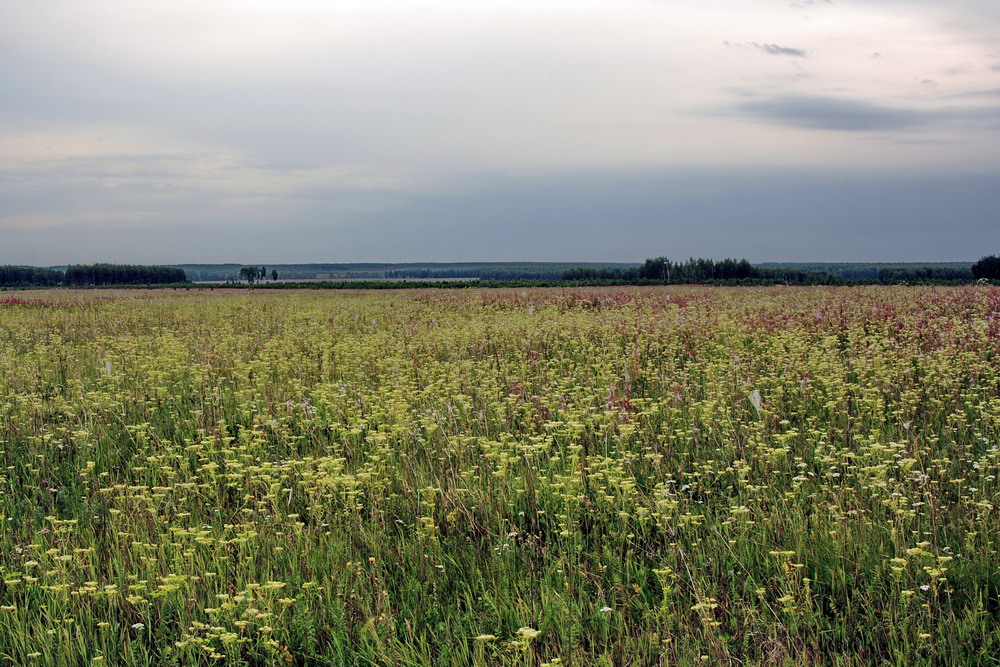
[605, 476]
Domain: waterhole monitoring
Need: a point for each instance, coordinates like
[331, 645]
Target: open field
[628, 476]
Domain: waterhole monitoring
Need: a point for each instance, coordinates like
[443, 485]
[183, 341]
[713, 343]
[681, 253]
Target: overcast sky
[323, 131]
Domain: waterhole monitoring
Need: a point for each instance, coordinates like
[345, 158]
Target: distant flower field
[635, 476]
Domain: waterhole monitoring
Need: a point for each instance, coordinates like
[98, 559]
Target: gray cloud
[971, 94]
[833, 113]
[776, 50]
[762, 214]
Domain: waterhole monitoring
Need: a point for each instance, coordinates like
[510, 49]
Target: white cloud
[485, 84]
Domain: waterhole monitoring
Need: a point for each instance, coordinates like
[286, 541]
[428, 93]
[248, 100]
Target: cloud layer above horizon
[588, 130]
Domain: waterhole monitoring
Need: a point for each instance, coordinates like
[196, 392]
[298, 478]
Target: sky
[288, 131]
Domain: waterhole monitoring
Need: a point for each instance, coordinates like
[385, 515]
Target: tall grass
[586, 477]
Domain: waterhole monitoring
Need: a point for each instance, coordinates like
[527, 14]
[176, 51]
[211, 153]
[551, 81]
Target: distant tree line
[667, 272]
[876, 272]
[664, 271]
[653, 271]
[86, 275]
[29, 276]
[121, 274]
[923, 274]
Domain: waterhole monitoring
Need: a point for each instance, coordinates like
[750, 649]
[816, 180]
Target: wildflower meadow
[590, 476]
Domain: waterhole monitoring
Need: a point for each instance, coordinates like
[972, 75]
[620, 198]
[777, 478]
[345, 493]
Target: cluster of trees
[587, 274]
[923, 274]
[92, 274]
[885, 272]
[29, 276]
[665, 271]
[987, 268]
[122, 274]
[252, 274]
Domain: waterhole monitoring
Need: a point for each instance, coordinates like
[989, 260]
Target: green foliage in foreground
[524, 477]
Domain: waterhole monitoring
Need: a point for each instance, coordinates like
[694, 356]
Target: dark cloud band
[831, 113]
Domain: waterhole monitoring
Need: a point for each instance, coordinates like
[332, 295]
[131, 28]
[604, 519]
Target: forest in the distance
[660, 270]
